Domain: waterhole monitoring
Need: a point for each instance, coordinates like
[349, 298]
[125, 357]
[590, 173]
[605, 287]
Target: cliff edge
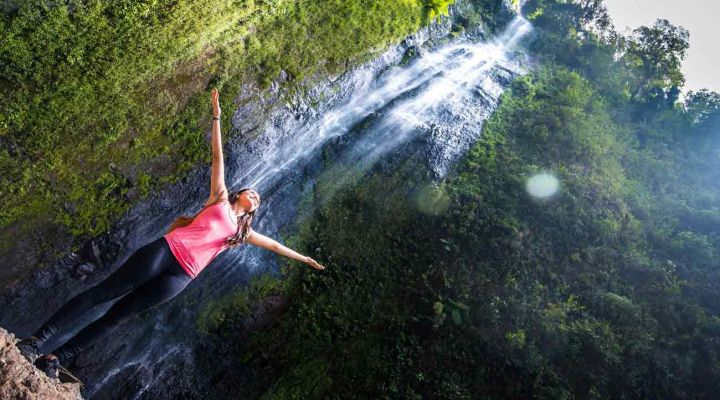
[21, 380]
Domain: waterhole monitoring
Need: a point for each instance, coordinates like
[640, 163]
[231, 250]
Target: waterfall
[449, 78]
[443, 94]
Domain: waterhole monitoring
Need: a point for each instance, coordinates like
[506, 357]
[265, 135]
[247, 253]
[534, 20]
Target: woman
[160, 270]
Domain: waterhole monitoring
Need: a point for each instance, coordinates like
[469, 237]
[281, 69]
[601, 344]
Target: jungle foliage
[105, 101]
[608, 289]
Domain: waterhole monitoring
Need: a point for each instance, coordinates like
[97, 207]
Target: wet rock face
[159, 355]
[20, 380]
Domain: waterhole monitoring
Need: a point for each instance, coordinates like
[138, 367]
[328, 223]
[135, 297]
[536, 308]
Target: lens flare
[542, 185]
[432, 200]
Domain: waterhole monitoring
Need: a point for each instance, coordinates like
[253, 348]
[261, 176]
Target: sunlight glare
[542, 185]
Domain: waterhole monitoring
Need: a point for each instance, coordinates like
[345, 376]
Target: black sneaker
[49, 367]
[29, 348]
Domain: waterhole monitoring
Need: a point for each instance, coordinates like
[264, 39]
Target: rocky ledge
[20, 380]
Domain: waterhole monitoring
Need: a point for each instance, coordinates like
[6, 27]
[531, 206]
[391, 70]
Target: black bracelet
[216, 118]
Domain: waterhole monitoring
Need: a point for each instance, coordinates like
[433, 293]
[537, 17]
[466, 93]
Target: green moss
[475, 287]
[224, 316]
[87, 85]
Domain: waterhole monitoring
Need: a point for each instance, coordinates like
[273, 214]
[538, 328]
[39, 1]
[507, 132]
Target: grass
[105, 102]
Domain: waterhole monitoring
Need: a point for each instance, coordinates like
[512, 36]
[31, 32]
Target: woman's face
[249, 200]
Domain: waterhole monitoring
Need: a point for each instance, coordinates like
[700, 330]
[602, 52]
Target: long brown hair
[243, 222]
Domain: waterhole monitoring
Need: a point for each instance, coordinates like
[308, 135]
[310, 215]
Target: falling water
[444, 94]
[449, 78]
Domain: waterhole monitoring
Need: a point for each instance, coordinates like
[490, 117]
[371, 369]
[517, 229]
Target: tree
[575, 16]
[702, 106]
[656, 53]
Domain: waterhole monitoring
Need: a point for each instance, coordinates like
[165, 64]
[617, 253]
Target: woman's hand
[313, 263]
[215, 96]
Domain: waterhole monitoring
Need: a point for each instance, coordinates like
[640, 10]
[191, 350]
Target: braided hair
[244, 221]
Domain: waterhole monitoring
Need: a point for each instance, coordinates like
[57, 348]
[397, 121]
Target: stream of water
[444, 94]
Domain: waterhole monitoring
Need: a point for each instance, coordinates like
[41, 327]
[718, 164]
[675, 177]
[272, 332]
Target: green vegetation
[104, 102]
[238, 304]
[609, 289]
[437, 7]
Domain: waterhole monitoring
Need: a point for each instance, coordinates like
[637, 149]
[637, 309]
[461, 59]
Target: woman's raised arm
[217, 175]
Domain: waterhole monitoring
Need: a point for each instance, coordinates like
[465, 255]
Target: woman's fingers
[315, 264]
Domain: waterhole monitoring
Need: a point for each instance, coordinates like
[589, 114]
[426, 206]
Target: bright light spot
[432, 200]
[542, 185]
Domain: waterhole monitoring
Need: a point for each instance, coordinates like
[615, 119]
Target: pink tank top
[198, 243]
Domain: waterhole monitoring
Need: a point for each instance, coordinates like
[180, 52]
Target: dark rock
[20, 380]
[82, 270]
[96, 252]
[152, 356]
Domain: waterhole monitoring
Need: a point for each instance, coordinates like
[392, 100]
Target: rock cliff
[22, 381]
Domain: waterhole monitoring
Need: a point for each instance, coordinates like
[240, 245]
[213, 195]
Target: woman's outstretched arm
[271, 244]
[217, 176]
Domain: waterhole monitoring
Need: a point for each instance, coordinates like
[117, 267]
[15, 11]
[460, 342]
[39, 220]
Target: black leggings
[149, 277]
